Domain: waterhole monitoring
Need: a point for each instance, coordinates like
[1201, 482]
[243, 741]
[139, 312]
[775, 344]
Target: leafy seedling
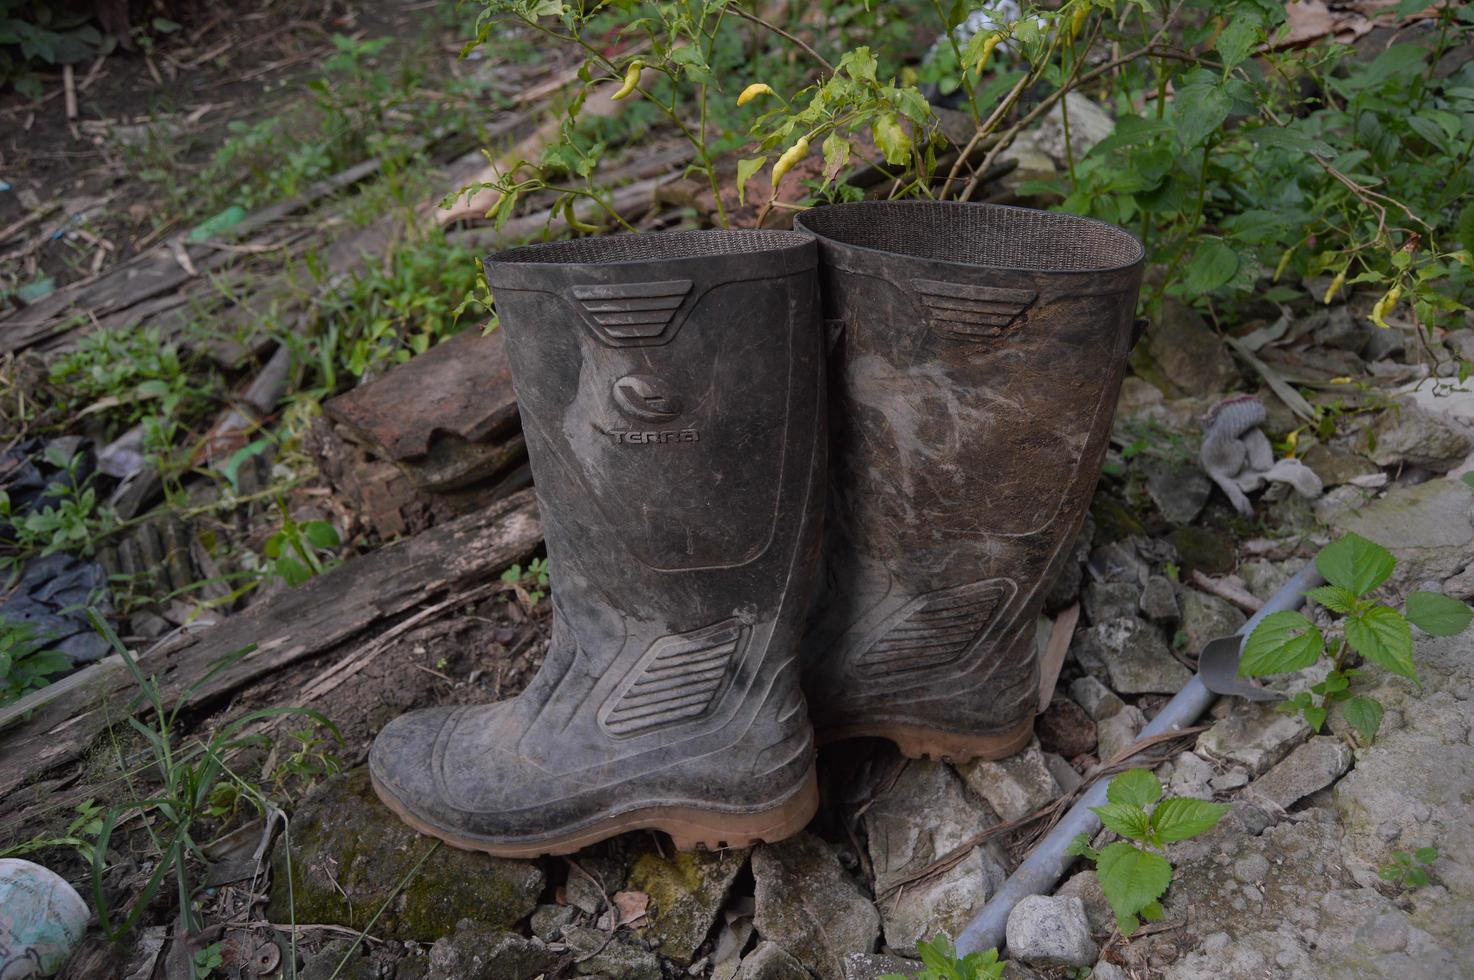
[1406, 871]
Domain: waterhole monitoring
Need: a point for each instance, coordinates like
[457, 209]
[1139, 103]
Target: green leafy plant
[34, 33]
[81, 835]
[73, 522]
[1367, 631]
[941, 962]
[299, 552]
[1133, 872]
[27, 661]
[530, 583]
[1406, 870]
[187, 773]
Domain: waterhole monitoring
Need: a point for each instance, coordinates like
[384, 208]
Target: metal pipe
[1046, 864]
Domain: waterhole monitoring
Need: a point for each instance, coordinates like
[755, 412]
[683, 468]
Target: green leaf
[322, 534]
[1282, 642]
[1213, 264]
[860, 64]
[1464, 231]
[1426, 854]
[1333, 597]
[1315, 717]
[1438, 615]
[1152, 912]
[1365, 715]
[291, 570]
[1131, 878]
[745, 170]
[836, 154]
[1235, 41]
[1134, 787]
[1417, 877]
[1199, 111]
[1383, 637]
[1355, 563]
[890, 136]
[1183, 817]
[1079, 846]
[1126, 819]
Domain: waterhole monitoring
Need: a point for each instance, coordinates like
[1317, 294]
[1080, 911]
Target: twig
[1227, 591]
[747, 15]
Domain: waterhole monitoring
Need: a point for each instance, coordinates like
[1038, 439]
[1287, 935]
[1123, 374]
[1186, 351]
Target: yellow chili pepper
[631, 79]
[1279, 270]
[582, 227]
[1078, 20]
[790, 156]
[988, 46]
[1292, 442]
[753, 91]
[1385, 305]
[1334, 287]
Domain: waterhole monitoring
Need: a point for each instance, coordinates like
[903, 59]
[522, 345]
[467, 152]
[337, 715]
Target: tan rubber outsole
[690, 828]
[920, 742]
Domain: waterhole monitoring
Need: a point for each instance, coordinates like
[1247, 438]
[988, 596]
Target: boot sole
[920, 742]
[690, 828]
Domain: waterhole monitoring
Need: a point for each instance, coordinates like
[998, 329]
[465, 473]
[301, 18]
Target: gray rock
[1408, 435]
[1182, 355]
[1191, 776]
[1064, 774]
[1106, 970]
[1014, 787]
[1254, 735]
[1048, 930]
[1105, 601]
[327, 963]
[475, 952]
[1311, 767]
[1085, 886]
[873, 966]
[1119, 562]
[1099, 701]
[1429, 527]
[1340, 502]
[1065, 727]
[548, 921]
[1204, 549]
[1264, 578]
[1178, 489]
[808, 905]
[601, 875]
[687, 890]
[1159, 600]
[1335, 467]
[1117, 732]
[1066, 587]
[1088, 125]
[1206, 617]
[622, 960]
[349, 855]
[927, 813]
[1133, 655]
[769, 961]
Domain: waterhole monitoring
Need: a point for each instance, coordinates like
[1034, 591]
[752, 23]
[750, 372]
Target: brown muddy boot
[977, 353]
[670, 387]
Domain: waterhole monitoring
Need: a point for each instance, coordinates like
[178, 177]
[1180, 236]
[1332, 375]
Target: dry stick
[745, 15]
[1246, 601]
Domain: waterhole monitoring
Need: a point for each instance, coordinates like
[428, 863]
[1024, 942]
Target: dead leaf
[632, 907]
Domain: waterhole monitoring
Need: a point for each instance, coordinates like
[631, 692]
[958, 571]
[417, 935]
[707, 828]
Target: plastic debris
[42, 919]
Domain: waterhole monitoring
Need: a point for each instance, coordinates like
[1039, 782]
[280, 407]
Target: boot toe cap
[402, 763]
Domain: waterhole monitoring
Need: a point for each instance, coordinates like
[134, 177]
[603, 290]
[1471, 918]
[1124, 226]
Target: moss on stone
[686, 892]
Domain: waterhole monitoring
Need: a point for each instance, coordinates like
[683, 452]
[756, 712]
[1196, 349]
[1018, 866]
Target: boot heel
[691, 829]
[920, 742]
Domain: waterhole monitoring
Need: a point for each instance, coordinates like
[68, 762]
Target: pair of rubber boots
[708, 600]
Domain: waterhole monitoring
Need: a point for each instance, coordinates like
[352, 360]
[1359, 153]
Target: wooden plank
[313, 618]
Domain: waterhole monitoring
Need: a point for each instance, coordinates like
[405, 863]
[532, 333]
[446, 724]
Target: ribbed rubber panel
[984, 235]
[679, 678]
[934, 629]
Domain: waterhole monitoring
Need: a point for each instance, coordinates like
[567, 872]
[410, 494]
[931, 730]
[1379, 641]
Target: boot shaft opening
[985, 235]
[662, 246]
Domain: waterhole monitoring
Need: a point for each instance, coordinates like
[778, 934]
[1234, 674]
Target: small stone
[1047, 930]
[1099, 701]
[769, 961]
[601, 875]
[1118, 562]
[1429, 527]
[1335, 467]
[1159, 600]
[1178, 489]
[808, 905]
[349, 854]
[926, 814]
[1311, 767]
[1254, 735]
[476, 952]
[1085, 886]
[1191, 776]
[873, 966]
[1408, 435]
[548, 921]
[1106, 970]
[1204, 550]
[1231, 780]
[1105, 601]
[1252, 867]
[1088, 125]
[1206, 618]
[1134, 656]
[1182, 355]
[1264, 578]
[687, 890]
[622, 960]
[1014, 787]
[1119, 731]
[1064, 774]
[1065, 728]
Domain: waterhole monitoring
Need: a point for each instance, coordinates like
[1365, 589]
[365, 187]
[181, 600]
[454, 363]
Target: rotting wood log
[55, 725]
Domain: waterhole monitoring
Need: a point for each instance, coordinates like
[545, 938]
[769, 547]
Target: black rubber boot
[671, 393]
[977, 356]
